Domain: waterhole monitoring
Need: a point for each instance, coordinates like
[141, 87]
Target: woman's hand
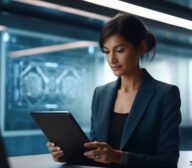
[103, 152]
[55, 151]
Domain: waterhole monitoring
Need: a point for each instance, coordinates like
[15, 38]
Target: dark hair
[131, 28]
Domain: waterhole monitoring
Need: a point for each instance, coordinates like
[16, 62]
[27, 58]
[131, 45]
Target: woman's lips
[116, 67]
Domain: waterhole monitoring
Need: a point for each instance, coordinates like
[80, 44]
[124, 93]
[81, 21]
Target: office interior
[50, 61]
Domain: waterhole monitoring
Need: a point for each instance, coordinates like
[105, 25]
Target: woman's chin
[116, 73]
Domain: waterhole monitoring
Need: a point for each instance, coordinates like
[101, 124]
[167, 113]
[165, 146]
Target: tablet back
[62, 129]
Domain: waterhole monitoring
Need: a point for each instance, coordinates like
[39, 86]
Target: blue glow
[5, 37]
[91, 50]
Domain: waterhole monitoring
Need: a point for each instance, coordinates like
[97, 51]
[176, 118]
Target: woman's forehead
[115, 40]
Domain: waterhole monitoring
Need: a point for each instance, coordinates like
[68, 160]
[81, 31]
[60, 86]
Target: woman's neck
[131, 81]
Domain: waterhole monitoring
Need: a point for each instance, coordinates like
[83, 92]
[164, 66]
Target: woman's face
[122, 56]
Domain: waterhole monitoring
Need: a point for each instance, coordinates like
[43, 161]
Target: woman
[135, 119]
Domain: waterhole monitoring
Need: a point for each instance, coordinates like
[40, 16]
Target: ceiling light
[144, 12]
[64, 9]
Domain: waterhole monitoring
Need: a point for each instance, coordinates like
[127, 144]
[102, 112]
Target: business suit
[151, 132]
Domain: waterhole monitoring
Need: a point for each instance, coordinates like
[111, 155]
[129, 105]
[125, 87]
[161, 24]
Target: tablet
[62, 129]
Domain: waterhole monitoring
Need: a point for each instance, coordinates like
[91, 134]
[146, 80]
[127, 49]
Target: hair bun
[151, 41]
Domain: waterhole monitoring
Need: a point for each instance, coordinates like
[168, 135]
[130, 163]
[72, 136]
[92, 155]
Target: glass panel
[44, 73]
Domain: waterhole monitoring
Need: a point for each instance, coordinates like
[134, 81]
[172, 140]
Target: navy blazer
[151, 133]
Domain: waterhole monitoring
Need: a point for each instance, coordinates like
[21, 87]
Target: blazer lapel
[142, 99]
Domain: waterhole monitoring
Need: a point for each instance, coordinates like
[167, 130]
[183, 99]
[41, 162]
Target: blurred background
[50, 61]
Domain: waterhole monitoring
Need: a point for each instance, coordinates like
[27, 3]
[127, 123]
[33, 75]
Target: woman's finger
[95, 144]
[57, 153]
[49, 144]
[93, 153]
[91, 144]
[58, 157]
[54, 149]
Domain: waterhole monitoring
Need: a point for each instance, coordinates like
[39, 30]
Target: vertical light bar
[190, 89]
[2, 82]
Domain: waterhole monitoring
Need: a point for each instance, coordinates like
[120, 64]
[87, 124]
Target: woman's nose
[112, 58]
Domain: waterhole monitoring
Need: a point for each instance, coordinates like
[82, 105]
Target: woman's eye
[120, 50]
[105, 52]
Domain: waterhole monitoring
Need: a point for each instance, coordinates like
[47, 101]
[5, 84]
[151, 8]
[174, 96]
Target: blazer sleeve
[167, 153]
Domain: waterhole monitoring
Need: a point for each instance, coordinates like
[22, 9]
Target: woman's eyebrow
[115, 46]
